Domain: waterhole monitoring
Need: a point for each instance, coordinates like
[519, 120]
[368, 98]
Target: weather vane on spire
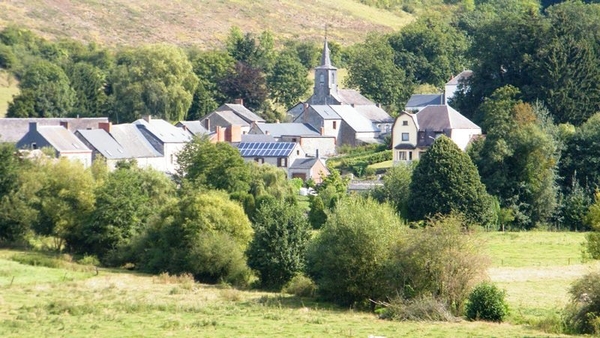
[325, 31]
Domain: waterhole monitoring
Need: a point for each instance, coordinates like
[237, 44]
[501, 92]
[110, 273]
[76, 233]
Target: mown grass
[118, 303]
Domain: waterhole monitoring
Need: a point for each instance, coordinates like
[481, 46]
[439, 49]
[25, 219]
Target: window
[172, 159]
[404, 136]
[282, 162]
[334, 124]
[401, 156]
[410, 155]
[322, 78]
[298, 152]
[34, 145]
[405, 123]
[259, 160]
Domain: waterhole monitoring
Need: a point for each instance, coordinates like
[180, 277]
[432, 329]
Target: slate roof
[242, 112]
[104, 143]
[326, 112]
[304, 163]
[465, 74]
[351, 96]
[193, 127]
[325, 57]
[164, 131]
[283, 129]
[62, 139]
[227, 117]
[266, 149]
[355, 120]
[374, 113]
[258, 138]
[442, 117]
[130, 137]
[424, 100]
[13, 129]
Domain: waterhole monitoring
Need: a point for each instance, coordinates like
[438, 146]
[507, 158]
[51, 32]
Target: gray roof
[224, 118]
[62, 139]
[325, 57]
[164, 131]
[442, 117]
[283, 129]
[242, 112]
[465, 74]
[355, 120]
[423, 100]
[257, 138]
[193, 127]
[13, 129]
[351, 96]
[374, 113]
[104, 143]
[132, 140]
[326, 112]
[304, 163]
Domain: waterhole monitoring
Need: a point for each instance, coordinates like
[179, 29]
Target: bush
[424, 308]
[300, 286]
[486, 302]
[582, 315]
[443, 259]
[592, 245]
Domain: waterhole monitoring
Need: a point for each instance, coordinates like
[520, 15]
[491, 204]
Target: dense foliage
[445, 181]
[486, 302]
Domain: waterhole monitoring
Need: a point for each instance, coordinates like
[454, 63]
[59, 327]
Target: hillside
[200, 22]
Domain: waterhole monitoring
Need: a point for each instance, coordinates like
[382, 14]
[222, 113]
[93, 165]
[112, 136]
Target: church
[341, 113]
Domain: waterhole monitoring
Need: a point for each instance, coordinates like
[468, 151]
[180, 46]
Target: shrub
[486, 302]
[424, 308]
[443, 259]
[592, 245]
[582, 315]
[300, 286]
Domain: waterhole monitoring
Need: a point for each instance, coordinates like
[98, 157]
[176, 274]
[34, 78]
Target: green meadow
[44, 295]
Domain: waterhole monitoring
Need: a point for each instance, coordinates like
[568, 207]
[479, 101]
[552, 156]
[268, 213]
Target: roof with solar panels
[266, 149]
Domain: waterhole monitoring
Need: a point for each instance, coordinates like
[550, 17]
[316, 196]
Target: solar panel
[266, 149]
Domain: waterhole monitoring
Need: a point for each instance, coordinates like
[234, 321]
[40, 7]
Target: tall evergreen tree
[445, 181]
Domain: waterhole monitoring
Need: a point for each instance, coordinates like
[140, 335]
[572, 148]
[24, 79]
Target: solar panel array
[266, 149]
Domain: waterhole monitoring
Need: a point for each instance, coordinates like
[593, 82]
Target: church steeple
[325, 57]
[325, 90]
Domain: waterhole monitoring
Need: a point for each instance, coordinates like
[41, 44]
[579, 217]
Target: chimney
[106, 126]
[32, 126]
[267, 132]
[239, 101]
[64, 124]
[234, 134]
[220, 134]
[207, 124]
[305, 113]
[148, 118]
[317, 154]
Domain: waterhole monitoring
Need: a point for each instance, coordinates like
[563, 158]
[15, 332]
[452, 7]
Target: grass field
[8, 88]
[73, 301]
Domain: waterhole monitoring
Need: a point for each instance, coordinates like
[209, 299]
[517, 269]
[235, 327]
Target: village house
[412, 134]
[58, 138]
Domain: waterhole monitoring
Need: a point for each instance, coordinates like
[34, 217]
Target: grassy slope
[63, 302]
[201, 22]
[8, 88]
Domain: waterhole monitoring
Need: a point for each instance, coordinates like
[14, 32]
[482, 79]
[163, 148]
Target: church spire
[325, 57]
